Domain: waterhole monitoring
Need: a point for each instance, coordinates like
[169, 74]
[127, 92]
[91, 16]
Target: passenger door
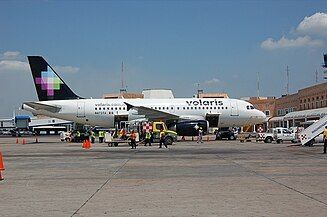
[80, 109]
[234, 108]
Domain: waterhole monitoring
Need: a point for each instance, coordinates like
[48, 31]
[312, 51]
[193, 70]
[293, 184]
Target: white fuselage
[102, 112]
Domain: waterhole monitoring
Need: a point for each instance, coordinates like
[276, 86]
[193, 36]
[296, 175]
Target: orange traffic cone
[89, 144]
[36, 140]
[24, 142]
[208, 138]
[84, 144]
[2, 167]
[17, 141]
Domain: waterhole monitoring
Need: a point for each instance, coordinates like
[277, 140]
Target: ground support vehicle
[266, 137]
[141, 127]
[247, 137]
[283, 134]
[307, 135]
[73, 136]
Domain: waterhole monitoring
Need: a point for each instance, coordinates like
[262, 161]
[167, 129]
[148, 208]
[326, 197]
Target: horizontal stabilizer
[40, 106]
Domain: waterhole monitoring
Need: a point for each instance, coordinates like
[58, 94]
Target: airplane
[57, 100]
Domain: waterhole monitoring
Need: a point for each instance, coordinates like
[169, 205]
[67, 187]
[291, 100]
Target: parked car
[225, 134]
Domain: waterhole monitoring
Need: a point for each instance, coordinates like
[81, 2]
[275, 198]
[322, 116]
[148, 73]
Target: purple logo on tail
[49, 81]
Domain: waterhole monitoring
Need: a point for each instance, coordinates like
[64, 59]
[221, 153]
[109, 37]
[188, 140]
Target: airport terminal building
[308, 104]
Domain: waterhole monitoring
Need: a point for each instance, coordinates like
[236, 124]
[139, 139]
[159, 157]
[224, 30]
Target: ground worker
[147, 138]
[325, 139]
[162, 139]
[78, 136]
[200, 135]
[133, 138]
[101, 136]
[92, 136]
[122, 133]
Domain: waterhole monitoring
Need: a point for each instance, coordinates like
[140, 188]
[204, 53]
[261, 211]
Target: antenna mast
[258, 85]
[288, 80]
[122, 89]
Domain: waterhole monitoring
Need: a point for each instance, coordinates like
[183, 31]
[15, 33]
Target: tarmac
[215, 178]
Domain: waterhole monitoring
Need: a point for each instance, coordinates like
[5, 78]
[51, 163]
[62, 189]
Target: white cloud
[11, 62]
[213, 81]
[13, 65]
[66, 69]
[306, 41]
[315, 24]
[11, 54]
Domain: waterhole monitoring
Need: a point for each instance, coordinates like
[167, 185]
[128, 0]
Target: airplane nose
[261, 116]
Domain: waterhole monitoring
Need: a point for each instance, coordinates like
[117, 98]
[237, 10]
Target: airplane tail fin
[48, 84]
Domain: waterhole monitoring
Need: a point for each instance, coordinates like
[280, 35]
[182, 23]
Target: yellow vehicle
[170, 136]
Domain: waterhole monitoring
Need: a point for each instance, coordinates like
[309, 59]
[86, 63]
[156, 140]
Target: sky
[218, 46]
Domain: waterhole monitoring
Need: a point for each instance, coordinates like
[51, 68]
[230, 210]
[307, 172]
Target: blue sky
[164, 44]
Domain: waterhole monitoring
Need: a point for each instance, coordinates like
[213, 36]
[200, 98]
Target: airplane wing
[152, 114]
[40, 106]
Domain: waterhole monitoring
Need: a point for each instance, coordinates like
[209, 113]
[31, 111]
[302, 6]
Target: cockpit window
[251, 107]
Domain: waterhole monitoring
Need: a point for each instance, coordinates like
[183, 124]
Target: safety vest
[78, 134]
[148, 135]
[92, 134]
[101, 134]
[133, 136]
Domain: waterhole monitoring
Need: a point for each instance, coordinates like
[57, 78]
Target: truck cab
[170, 136]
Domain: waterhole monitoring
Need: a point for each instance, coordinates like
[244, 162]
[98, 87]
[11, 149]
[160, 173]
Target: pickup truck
[278, 134]
[283, 134]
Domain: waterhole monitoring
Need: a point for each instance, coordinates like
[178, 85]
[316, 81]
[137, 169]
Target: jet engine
[190, 127]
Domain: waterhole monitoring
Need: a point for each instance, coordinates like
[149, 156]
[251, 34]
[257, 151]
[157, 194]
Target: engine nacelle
[188, 128]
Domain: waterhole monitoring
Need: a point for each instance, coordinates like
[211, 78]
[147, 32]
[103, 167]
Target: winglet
[129, 106]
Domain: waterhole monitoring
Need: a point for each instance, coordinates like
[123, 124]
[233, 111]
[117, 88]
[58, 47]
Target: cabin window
[155, 107]
[159, 108]
[96, 108]
[99, 108]
[210, 108]
[171, 108]
[226, 107]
